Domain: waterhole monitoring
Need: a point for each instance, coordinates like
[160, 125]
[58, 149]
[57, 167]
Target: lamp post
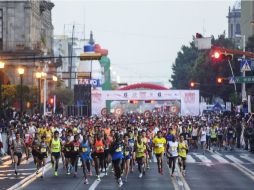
[21, 73]
[1, 74]
[44, 76]
[38, 76]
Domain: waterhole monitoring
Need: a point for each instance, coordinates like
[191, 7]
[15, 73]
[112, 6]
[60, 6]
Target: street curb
[28, 179]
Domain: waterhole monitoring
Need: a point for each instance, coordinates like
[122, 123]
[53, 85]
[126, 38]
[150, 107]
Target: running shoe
[55, 173]
[86, 182]
[120, 183]
[90, 173]
[140, 175]
[98, 178]
[16, 173]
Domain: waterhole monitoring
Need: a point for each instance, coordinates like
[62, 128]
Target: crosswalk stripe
[219, 158]
[234, 159]
[190, 159]
[246, 157]
[203, 158]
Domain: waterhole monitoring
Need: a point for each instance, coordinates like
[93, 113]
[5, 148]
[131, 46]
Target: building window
[237, 29]
[1, 29]
[231, 31]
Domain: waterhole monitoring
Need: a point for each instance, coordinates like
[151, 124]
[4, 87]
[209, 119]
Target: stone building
[247, 18]
[26, 31]
[234, 24]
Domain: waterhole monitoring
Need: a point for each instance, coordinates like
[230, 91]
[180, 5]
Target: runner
[17, 144]
[140, 149]
[127, 156]
[85, 154]
[55, 148]
[67, 147]
[159, 148]
[182, 151]
[99, 155]
[28, 138]
[36, 148]
[172, 154]
[116, 151]
[202, 136]
[75, 154]
[43, 155]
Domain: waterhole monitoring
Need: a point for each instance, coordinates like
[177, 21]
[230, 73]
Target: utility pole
[70, 65]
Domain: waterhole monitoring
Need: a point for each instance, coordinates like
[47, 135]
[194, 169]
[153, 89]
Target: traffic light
[219, 56]
[219, 80]
[192, 84]
[51, 101]
[133, 101]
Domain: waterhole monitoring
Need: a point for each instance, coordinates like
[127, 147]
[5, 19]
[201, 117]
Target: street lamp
[21, 73]
[38, 76]
[1, 68]
[54, 78]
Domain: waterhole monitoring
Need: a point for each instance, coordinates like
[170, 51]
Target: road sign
[104, 111]
[248, 79]
[245, 65]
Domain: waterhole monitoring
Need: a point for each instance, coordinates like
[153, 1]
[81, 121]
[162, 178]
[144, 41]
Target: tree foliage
[195, 65]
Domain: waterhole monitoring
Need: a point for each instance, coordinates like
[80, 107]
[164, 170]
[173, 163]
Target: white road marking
[204, 160]
[234, 159]
[190, 159]
[247, 157]
[219, 158]
[96, 183]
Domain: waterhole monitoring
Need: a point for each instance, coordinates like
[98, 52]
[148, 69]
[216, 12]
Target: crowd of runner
[126, 143]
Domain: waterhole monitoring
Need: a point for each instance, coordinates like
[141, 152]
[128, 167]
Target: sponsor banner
[142, 95]
[97, 101]
[93, 82]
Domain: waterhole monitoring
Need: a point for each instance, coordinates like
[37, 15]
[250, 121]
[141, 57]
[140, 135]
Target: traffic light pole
[233, 75]
[244, 97]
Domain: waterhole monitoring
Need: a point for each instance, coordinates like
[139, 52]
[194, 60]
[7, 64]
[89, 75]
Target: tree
[195, 65]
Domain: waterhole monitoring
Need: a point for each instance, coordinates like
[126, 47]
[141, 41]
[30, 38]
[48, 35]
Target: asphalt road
[214, 170]
[221, 170]
[152, 180]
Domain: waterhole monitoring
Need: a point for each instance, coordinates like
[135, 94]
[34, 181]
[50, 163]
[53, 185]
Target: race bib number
[119, 149]
[76, 148]
[43, 150]
[173, 148]
[140, 150]
[159, 145]
[99, 148]
[126, 153]
[84, 149]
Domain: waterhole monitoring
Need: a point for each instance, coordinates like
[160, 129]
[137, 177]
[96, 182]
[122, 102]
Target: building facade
[234, 24]
[26, 31]
[247, 18]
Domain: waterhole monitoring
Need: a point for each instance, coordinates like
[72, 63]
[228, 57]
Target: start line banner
[189, 98]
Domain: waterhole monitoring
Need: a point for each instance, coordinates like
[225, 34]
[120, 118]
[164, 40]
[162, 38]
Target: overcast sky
[143, 37]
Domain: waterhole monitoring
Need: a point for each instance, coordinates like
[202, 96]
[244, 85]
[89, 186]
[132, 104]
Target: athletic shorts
[230, 137]
[195, 138]
[34, 153]
[220, 137]
[213, 140]
[183, 158]
[74, 155]
[56, 155]
[42, 155]
[158, 155]
[18, 154]
[99, 155]
[86, 157]
[139, 159]
[67, 155]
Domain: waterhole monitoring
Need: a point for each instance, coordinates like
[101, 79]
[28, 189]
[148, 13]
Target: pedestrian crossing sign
[245, 65]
